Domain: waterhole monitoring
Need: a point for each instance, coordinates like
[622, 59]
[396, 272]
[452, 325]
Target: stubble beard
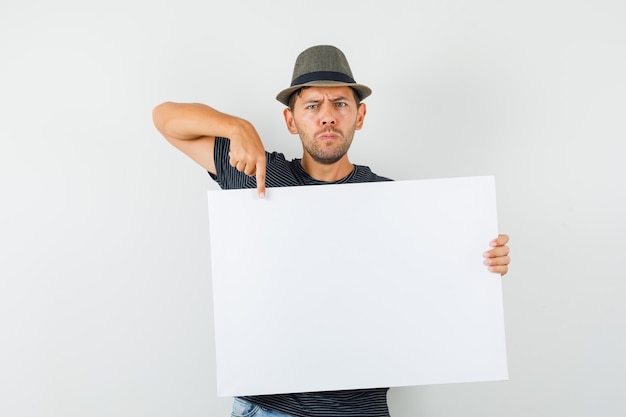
[324, 152]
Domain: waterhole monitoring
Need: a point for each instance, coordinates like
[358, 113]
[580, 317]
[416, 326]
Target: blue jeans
[243, 408]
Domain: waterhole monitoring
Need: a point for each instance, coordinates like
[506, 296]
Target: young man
[324, 108]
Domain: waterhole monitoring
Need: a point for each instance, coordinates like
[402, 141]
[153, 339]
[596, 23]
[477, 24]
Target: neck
[327, 172]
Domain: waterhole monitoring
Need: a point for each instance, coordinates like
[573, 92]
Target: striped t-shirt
[346, 403]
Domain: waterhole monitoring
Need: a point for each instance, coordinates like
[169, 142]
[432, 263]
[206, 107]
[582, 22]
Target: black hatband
[323, 76]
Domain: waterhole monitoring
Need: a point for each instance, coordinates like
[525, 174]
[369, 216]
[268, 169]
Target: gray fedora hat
[322, 66]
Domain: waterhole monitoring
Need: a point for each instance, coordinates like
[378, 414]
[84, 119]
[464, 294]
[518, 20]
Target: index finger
[260, 176]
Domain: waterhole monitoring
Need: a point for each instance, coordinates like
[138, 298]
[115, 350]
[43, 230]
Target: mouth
[328, 135]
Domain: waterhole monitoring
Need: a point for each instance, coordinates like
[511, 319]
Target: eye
[340, 104]
[312, 106]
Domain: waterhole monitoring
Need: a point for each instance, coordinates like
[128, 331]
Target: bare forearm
[192, 128]
[188, 121]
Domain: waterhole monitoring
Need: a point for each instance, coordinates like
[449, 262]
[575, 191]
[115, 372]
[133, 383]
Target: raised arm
[192, 128]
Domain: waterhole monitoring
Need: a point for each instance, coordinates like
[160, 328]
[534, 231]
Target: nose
[327, 116]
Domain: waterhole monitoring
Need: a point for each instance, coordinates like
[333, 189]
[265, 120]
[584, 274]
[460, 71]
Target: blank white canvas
[355, 286]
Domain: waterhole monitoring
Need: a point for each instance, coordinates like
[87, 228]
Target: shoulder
[363, 173]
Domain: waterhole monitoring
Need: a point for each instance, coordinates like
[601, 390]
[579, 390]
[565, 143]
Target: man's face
[325, 118]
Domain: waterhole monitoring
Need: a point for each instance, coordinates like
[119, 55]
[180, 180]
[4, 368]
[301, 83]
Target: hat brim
[363, 90]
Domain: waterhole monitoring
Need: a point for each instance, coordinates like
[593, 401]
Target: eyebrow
[332, 99]
[339, 98]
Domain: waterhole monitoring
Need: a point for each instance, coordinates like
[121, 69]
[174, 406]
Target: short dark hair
[298, 93]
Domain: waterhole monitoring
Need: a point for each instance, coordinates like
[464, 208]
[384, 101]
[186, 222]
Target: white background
[105, 300]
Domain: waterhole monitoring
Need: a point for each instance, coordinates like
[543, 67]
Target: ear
[360, 117]
[291, 124]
